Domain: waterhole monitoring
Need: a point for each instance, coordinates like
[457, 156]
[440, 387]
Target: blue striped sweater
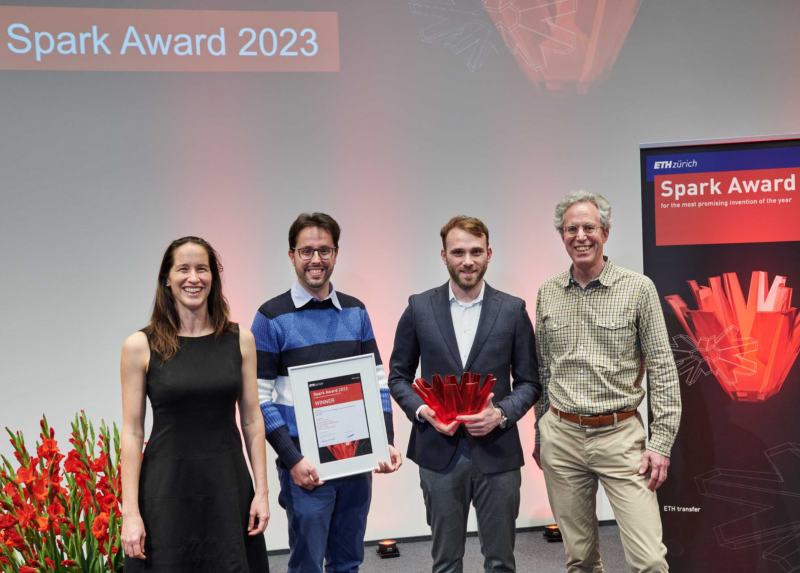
[287, 336]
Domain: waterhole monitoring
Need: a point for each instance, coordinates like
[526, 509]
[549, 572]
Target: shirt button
[580, 348]
[580, 371]
[581, 322]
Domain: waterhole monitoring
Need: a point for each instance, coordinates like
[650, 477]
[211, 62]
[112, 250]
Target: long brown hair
[162, 332]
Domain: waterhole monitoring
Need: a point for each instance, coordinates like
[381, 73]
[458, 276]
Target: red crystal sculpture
[344, 451]
[563, 45]
[750, 347]
[450, 399]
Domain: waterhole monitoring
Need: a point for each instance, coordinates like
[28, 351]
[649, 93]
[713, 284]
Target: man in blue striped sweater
[313, 323]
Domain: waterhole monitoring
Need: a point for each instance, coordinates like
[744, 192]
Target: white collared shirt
[301, 296]
[466, 316]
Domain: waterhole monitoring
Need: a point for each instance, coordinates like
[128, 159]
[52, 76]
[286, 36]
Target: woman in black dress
[188, 504]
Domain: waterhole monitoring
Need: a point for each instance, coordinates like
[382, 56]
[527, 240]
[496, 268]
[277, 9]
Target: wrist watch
[503, 419]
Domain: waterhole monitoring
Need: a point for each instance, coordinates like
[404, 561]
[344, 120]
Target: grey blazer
[504, 346]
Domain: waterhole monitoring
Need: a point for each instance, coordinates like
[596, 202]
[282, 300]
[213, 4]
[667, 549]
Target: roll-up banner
[721, 229]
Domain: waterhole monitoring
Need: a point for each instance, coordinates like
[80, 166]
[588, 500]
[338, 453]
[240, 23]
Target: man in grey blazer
[467, 326]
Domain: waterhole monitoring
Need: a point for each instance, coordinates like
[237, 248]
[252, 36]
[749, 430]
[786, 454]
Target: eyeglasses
[307, 253]
[572, 230]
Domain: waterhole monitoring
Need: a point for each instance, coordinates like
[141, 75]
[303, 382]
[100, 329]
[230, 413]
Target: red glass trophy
[750, 347]
[449, 398]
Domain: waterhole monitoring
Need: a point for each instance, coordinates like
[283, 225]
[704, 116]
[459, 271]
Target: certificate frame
[335, 412]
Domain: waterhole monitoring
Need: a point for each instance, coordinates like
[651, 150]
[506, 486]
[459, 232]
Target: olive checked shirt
[595, 344]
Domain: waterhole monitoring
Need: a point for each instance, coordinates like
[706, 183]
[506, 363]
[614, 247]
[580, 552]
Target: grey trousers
[496, 498]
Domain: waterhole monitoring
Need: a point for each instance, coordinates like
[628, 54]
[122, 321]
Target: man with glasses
[312, 323]
[466, 325]
[600, 328]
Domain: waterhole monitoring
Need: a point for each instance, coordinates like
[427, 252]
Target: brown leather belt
[594, 421]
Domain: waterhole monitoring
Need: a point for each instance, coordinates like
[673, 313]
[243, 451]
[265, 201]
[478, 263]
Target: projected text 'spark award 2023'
[107, 39]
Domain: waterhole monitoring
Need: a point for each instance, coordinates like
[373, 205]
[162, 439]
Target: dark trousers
[327, 522]
[448, 494]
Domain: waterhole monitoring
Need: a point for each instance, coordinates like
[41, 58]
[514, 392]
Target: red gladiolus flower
[55, 482]
[50, 563]
[42, 524]
[39, 490]
[25, 475]
[103, 484]
[68, 563]
[12, 491]
[48, 450]
[14, 540]
[83, 529]
[7, 520]
[25, 514]
[86, 502]
[73, 463]
[81, 482]
[55, 510]
[99, 465]
[26, 569]
[107, 502]
[54, 461]
[100, 527]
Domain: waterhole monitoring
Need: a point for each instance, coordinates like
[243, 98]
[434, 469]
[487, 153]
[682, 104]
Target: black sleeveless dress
[195, 489]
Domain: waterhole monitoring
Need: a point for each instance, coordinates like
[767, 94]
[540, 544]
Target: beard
[466, 284]
[314, 282]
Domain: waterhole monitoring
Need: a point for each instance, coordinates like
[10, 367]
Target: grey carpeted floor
[532, 551]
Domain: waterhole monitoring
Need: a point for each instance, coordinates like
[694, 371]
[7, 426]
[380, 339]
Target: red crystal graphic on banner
[450, 399]
[344, 451]
[561, 45]
[750, 347]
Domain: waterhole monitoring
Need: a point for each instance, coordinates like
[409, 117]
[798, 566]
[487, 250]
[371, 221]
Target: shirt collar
[478, 299]
[606, 277]
[301, 297]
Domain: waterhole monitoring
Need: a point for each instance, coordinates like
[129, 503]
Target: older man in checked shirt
[600, 328]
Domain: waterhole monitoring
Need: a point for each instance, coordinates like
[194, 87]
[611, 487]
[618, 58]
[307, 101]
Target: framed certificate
[340, 421]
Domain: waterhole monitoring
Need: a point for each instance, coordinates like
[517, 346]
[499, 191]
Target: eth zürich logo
[675, 164]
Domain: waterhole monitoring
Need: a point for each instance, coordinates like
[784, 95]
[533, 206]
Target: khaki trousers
[573, 459]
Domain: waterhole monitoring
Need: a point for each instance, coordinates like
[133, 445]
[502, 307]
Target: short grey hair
[603, 208]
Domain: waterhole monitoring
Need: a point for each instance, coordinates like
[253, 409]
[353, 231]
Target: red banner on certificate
[336, 395]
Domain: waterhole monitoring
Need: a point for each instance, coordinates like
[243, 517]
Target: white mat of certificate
[340, 420]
